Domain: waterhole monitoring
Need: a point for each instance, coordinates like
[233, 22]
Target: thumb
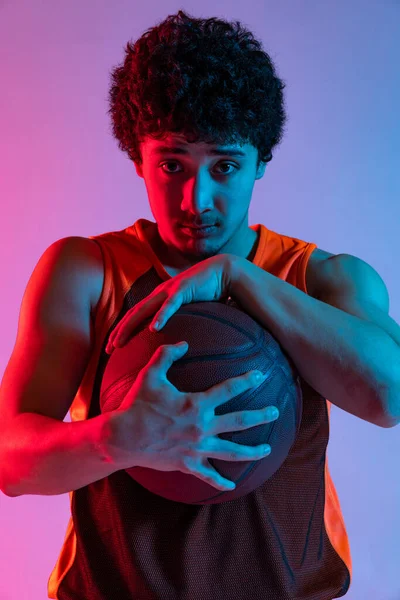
[169, 353]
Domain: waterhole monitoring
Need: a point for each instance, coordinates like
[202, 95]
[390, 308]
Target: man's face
[190, 185]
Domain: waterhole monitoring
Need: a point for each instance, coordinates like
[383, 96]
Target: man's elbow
[389, 415]
[387, 422]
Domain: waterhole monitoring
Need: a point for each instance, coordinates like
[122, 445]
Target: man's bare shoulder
[89, 261]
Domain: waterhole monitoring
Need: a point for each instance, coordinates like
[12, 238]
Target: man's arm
[346, 357]
[45, 457]
[39, 453]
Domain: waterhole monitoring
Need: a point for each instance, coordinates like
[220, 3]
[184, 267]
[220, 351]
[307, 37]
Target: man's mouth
[196, 231]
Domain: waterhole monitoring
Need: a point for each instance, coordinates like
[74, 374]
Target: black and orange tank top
[286, 539]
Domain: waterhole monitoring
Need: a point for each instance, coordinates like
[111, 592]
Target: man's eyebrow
[211, 152]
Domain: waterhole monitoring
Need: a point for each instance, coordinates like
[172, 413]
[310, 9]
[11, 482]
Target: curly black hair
[207, 79]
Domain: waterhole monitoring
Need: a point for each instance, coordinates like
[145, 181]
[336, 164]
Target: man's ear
[261, 170]
[139, 169]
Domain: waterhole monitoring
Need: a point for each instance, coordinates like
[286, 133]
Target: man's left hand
[208, 280]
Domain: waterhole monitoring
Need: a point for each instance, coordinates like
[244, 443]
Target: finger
[245, 419]
[128, 316]
[120, 327]
[127, 324]
[230, 388]
[126, 327]
[209, 475]
[164, 357]
[232, 451]
[117, 329]
[140, 313]
[169, 308]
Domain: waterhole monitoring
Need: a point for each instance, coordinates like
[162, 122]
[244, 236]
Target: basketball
[224, 342]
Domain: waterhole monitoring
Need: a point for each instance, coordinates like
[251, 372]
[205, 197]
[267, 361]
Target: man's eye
[173, 162]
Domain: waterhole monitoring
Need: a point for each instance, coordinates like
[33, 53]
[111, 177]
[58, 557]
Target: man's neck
[171, 266]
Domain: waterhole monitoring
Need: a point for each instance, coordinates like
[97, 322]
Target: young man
[198, 108]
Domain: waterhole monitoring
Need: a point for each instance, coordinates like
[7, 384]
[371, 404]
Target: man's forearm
[43, 456]
[344, 358]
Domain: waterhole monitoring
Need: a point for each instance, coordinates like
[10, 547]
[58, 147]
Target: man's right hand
[161, 428]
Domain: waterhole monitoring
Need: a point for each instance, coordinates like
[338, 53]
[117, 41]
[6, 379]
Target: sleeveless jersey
[287, 539]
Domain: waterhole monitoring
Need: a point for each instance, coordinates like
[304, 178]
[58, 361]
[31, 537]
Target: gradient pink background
[334, 181]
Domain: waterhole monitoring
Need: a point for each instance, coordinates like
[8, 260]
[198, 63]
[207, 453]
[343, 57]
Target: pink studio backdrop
[334, 181]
